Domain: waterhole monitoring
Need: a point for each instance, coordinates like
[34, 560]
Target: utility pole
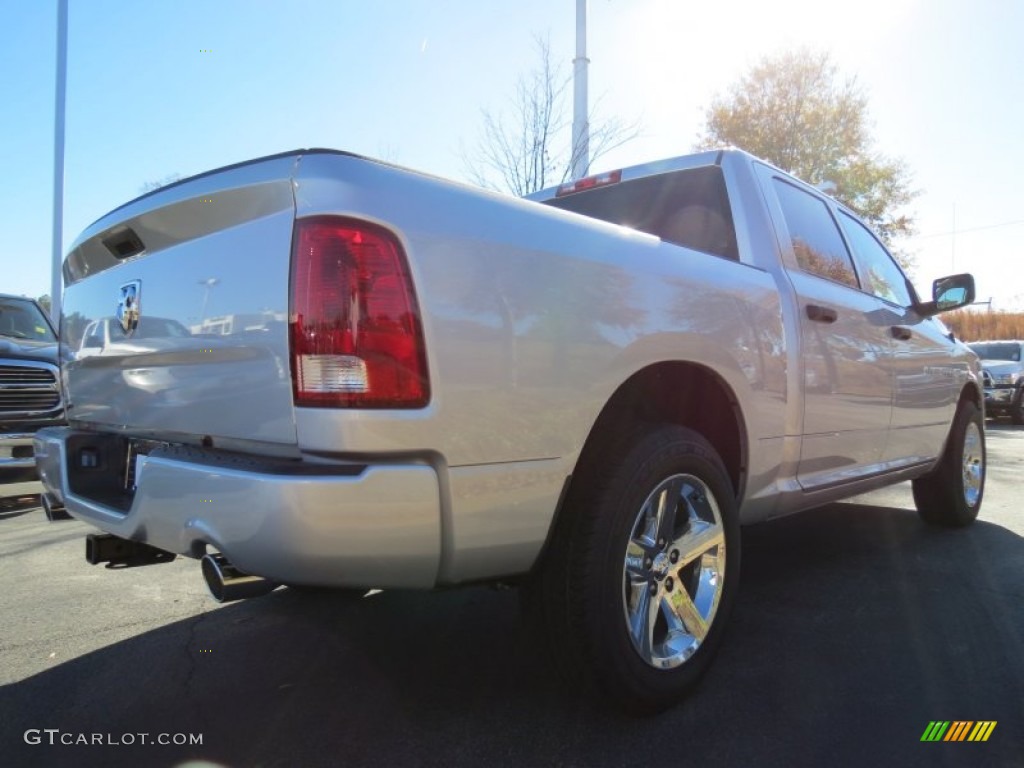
[58, 162]
[580, 126]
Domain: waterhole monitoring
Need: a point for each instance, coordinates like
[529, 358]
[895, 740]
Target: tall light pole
[58, 161]
[208, 283]
[580, 126]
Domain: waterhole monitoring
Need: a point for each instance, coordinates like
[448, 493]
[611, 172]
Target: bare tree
[528, 146]
[150, 186]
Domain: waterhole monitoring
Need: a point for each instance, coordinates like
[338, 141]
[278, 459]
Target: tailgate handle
[901, 333]
[821, 314]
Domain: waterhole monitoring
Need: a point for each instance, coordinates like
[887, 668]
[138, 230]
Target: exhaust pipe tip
[226, 583]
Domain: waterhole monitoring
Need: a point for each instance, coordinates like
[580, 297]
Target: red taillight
[599, 180]
[356, 339]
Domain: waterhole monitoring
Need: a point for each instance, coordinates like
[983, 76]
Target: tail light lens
[356, 336]
[589, 182]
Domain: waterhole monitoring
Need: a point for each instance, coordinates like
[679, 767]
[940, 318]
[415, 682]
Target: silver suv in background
[1002, 365]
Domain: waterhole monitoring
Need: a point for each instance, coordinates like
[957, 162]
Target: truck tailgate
[175, 309]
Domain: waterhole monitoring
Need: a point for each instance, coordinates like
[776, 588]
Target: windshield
[997, 351]
[22, 319]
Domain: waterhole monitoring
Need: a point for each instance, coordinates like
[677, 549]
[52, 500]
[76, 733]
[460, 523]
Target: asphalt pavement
[856, 626]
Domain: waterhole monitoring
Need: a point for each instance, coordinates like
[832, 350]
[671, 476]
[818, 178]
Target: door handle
[821, 314]
[901, 333]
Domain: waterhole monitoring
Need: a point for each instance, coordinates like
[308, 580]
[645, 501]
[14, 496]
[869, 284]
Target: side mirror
[948, 293]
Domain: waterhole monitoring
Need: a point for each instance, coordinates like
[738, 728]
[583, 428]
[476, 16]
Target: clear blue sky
[406, 80]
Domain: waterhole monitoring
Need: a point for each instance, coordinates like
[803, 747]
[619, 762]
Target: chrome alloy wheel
[674, 571]
[973, 464]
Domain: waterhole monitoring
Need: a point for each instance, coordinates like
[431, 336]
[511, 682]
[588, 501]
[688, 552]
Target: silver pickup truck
[383, 379]
[1002, 373]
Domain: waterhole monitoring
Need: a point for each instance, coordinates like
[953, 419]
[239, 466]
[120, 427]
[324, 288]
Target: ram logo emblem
[129, 306]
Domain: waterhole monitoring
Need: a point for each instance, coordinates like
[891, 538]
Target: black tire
[582, 594]
[950, 495]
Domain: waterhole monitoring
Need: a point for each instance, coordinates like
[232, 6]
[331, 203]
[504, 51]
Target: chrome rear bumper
[371, 526]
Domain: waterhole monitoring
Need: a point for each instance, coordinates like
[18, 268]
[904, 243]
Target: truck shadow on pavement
[855, 626]
[17, 506]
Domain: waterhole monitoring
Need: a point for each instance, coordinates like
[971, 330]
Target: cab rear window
[688, 208]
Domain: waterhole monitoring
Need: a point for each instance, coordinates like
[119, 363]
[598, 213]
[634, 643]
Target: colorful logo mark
[958, 730]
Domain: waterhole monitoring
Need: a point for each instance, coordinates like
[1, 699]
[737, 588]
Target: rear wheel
[950, 495]
[638, 582]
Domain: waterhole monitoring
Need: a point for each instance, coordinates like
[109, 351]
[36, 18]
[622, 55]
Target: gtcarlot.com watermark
[55, 736]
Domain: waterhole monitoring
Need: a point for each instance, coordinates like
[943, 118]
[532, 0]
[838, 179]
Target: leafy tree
[797, 112]
[528, 146]
[44, 302]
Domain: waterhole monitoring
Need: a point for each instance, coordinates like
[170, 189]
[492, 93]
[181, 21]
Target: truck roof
[652, 168]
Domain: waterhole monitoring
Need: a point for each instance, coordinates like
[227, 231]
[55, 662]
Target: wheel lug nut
[648, 562]
[654, 589]
[668, 585]
[661, 542]
[674, 556]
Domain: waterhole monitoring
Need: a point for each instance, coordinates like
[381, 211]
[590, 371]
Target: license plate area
[103, 468]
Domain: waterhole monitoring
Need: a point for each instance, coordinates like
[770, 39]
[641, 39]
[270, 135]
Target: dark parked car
[30, 395]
